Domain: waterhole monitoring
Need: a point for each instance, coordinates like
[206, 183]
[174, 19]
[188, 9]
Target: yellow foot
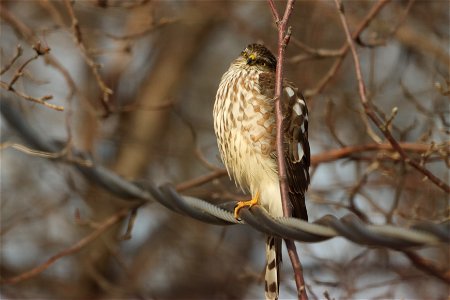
[242, 204]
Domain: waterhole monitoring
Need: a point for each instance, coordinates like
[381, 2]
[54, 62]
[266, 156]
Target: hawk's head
[257, 56]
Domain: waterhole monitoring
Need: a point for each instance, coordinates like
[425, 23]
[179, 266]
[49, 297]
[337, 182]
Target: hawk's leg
[242, 204]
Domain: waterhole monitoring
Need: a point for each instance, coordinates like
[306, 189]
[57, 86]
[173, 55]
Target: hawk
[245, 127]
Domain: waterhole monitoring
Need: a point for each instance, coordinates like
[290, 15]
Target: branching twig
[323, 157]
[19, 52]
[332, 155]
[344, 49]
[106, 91]
[155, 25]
[40, 51]
[373, 116]
[41, 100]
[28, 34]
[428, 266]
[392, 31]
[108, 223]
[19, 71]
[201, 180]
[50, 155]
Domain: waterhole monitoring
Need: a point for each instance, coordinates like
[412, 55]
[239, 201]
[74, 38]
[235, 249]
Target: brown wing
[297, 154]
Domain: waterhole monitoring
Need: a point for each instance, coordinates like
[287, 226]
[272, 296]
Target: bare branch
[201, 180]
[50, 155]
[41, 100]
[108, 223]
[344, 49]
[28, 34]
[143, 32]
[428, 266]
[19, 52]
[371, 114]
[95, 67]
[159, 130]
[283, 39]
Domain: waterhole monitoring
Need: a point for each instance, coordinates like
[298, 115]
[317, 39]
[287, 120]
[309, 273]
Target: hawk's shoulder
[266, 83]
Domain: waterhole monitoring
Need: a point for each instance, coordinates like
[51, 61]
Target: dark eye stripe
[264, 62]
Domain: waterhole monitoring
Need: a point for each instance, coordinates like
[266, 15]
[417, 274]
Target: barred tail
[273, 258]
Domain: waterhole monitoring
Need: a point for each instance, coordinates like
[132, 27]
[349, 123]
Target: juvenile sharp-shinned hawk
[244, 123]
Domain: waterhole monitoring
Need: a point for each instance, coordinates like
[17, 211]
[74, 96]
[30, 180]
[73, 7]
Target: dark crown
[257, 54]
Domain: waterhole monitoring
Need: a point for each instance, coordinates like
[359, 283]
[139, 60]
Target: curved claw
[242, 204]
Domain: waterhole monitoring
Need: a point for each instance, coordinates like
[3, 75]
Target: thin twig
[28, 34]
[200, 180]
[324, 157]
[373, 116]
[78, 37]
[278, 110]
[428, 266]
[18, 53]
[335, 154]
[155, 25]
[19, 71]
[344, 49]
[284, 34]
[298, 269]
[63, 154]
[392, 31]
[329, 120]
[41, 100]
[131, 220]
[40, 51]
[108, 223]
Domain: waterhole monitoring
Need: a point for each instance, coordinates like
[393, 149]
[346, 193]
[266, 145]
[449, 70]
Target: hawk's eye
[261, 62]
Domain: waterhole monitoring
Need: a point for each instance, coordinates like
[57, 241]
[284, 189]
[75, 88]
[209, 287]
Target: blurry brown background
[137, 81]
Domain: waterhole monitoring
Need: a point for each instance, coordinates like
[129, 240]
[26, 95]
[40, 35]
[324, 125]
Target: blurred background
[137, 81]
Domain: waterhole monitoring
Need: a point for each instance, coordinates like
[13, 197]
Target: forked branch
[368, 109]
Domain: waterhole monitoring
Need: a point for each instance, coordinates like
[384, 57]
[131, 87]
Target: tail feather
[273, 260]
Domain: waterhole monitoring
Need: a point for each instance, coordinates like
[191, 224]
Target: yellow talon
[242, 204]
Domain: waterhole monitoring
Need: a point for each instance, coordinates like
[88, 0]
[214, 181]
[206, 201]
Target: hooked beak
[251, 59]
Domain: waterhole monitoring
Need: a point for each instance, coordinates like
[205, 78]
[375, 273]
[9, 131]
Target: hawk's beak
[251, 59]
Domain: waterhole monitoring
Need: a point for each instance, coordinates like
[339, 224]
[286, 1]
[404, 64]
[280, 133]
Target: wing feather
[296, 145]
[297, 152]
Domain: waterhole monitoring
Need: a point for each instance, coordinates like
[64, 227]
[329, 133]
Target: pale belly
[245, 130]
